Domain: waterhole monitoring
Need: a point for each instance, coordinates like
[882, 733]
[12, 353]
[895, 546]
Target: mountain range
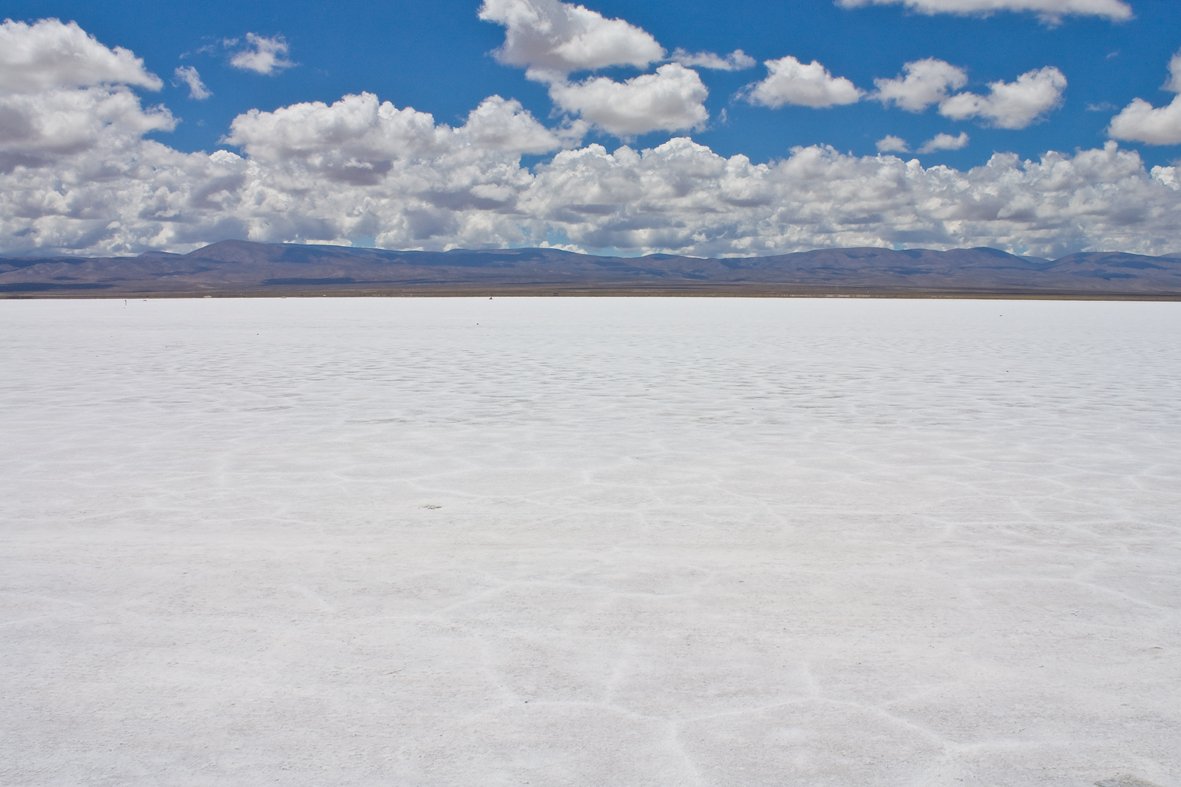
[243, 268]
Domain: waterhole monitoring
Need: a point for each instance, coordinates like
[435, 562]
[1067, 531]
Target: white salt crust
[601, 541]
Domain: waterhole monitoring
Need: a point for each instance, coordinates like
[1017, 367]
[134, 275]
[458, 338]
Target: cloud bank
[365, 170]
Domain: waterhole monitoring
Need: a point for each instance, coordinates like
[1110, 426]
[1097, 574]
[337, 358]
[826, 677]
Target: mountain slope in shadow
[235, 267]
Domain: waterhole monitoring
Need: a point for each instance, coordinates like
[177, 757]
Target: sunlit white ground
[635, 541]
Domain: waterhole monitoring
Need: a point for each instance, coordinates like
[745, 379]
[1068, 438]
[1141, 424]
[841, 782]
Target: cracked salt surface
[634, 541]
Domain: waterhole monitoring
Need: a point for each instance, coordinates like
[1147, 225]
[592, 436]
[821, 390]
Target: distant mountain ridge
[235, 267]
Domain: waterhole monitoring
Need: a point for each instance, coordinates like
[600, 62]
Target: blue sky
[292, 93]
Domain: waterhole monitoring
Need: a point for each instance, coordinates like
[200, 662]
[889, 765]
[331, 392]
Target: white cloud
[50, 54]
[361, 140]
[1174, 82]
[35, 129]
[192, 79]
[504, 126]
[1012, 105]
[552, 39]
[263, 55]
[1139, 121]
[892, 144]
[64, 93]
[671, 99]
[735, 61]
[926, 82]
[356, 128]
[683, 197]
[945, 142]
[357, 168]
[1051, 10]
[789, 81]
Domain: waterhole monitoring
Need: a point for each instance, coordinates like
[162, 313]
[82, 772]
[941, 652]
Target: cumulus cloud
[552, 39]
[923, 84]
[1011, 105]
[262, 55]
[51, 54]
[357, 128]
[360, 139]
[189, 76]
[671, 99]
[892, 144]
[1139, 121]
[789, 81]
[504, 126]
[35, 129]
[356, 168]
[945, 142]
[1050, 10]
[62, 93]
[735, 61]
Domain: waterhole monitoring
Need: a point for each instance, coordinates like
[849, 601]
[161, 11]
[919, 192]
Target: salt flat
[635, 541]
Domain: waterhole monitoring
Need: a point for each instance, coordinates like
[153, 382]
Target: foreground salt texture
[593, 541]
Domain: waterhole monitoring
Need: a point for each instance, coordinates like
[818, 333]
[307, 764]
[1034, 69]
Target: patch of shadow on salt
[1125, 780]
